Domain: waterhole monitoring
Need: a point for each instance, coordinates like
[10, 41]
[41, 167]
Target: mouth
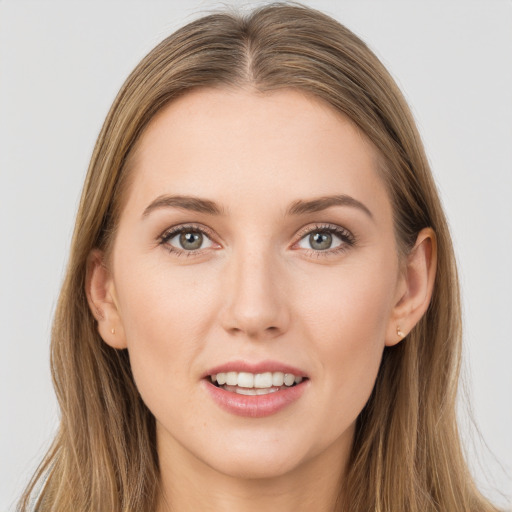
[255, 390]
[255, 384]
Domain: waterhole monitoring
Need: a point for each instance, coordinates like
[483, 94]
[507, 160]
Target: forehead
[236, 145]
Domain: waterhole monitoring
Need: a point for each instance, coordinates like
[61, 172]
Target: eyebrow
[299, 207]
[191, 203]
[302, 207]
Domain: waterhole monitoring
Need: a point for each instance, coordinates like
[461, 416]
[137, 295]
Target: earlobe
[416, 287]
[100, 291]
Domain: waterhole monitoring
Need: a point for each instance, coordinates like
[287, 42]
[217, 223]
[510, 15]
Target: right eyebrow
[185, 203]
[302, 207]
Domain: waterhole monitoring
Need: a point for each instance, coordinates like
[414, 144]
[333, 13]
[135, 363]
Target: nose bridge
[254, 301]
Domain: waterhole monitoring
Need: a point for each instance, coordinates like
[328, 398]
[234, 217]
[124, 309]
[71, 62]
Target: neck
[187, 484]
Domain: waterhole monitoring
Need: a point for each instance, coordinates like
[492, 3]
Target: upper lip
[255, 367]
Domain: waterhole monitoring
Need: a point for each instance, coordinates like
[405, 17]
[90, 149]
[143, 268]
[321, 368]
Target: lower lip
[255, 406]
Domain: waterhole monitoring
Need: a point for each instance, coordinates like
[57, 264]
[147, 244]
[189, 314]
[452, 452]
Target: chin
[260, 457]
[244, 466]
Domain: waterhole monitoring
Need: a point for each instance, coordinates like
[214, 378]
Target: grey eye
[190, 240]
[320, 241]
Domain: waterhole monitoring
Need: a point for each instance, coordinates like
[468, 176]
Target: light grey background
[61, 64]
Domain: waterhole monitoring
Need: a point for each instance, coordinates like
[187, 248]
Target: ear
[101, 296]
[415, 287]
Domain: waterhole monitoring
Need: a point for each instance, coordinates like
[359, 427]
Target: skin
[256, 291]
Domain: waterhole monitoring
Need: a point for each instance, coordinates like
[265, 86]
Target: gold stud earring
[399, 332]
[113, 331]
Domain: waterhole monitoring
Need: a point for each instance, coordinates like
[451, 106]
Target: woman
[261, 306]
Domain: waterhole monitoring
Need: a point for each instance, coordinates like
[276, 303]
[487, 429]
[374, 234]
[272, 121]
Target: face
[256, 245]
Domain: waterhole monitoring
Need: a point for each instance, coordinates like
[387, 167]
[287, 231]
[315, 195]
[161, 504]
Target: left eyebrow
[191, 203]
[301, 207]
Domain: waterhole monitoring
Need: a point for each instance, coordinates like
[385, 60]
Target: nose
[254, 296]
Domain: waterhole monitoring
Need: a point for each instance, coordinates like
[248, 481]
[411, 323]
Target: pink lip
[254, 406]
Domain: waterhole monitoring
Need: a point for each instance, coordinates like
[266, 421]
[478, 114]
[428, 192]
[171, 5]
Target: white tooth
[263, 380]
[289, 379]
[245, 391]
[266, 391]
[221, 379]
[232, 378]
[245, 380]
[277, 379]
[298, 380]
[214, 377]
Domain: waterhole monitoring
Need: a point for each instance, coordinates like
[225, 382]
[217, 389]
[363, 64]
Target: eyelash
[347, 238]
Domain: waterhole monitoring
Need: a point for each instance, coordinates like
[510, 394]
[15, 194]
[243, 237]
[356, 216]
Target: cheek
[348, 322]
[349, 306]
[164, 318]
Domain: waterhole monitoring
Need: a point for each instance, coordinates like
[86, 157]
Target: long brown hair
[406, 454]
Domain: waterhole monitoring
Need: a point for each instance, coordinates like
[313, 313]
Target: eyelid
[333, 228]
[191, 226]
